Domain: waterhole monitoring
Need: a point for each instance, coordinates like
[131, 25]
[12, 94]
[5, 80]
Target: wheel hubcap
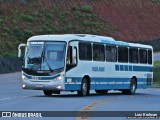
[84, 88]
[133, 87]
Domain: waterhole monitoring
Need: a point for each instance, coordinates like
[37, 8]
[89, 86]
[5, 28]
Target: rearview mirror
[19, 49]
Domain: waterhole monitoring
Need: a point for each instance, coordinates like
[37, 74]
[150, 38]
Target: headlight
[59, 87]
[23, 86]
[23, 77]
[60, 78]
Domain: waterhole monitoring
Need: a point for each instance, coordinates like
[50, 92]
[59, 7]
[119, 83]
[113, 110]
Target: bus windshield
[45, 55]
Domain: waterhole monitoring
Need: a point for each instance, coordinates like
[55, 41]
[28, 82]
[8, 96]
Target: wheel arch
[88, 80]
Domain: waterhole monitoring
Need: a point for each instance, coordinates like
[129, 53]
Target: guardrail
[8, 65]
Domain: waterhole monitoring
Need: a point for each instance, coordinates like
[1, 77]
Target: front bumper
[43, 83]
[50, 85]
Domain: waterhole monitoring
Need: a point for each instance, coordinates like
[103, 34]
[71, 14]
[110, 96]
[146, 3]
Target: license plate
[39, 86]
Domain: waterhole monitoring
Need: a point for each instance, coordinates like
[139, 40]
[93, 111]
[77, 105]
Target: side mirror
[19, 49]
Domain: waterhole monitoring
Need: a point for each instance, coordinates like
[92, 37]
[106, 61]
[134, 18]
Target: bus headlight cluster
[23, 86]
[23, 77]
[59, 87]
[60, 78]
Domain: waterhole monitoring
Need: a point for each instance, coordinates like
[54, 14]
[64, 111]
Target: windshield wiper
[43, 56]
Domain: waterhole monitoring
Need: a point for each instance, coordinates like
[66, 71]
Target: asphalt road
[14, 98]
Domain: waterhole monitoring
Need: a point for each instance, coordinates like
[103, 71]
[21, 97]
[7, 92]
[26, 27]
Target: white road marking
[14, 97]
[5, 98]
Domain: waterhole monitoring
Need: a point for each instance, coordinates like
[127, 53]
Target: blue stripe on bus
[133, 68]
[117, 67]
[72, 86]
[143, 68]
[110, 79]
[95, 83]
[27, 76]
[96, 79]
[130, 68]
[104, 86]
[108, 42]
[121, 68]
[109, 86]
[114, 42]
[126, 67]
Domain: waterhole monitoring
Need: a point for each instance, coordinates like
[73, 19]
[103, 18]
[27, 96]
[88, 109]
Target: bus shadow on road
[74, 95]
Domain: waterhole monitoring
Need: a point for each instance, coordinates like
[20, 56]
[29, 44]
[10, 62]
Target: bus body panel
[102, 77]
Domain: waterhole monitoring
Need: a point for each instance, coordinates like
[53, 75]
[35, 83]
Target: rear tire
[84, 88]
[132, 89]
[133, 86]
[47, 92]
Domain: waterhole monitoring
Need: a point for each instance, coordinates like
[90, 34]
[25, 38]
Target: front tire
[47, 92]
[84, 88]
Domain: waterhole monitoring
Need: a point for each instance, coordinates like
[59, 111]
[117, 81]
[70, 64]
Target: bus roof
[85, 38]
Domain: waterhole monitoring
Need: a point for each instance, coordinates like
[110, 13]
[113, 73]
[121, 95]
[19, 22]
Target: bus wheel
[133, 86]
[132, 89]
[101, 91]
[84, 88]
[47, 92]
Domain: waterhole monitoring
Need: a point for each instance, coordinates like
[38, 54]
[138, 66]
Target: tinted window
[149, 56]
[122, 54]
[143, 56]
[133, 55]
[85, 51]
[111, 53]
[98, 52]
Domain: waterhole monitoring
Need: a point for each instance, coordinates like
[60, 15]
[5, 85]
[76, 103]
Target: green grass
[86, 9]
[155, 1]
[27, 18]
[157, 64]
[156, 74]
[19, 25]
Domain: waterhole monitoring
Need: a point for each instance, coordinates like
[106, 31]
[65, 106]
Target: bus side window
[85, 51]
[111, 53]
[122, 54]
[143, 56]
[149, 56]
[133, 55]
[98, 52]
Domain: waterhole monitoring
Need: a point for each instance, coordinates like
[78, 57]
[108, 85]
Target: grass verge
[156, 74]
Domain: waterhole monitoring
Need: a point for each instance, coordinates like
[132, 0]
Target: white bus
[83, 62]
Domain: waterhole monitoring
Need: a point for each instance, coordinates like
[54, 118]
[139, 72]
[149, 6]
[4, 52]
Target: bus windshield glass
[45, 55]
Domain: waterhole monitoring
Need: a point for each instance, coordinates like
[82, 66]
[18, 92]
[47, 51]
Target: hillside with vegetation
[126, 20]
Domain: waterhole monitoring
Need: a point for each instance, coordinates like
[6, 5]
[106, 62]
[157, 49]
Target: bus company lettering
[98, 69]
